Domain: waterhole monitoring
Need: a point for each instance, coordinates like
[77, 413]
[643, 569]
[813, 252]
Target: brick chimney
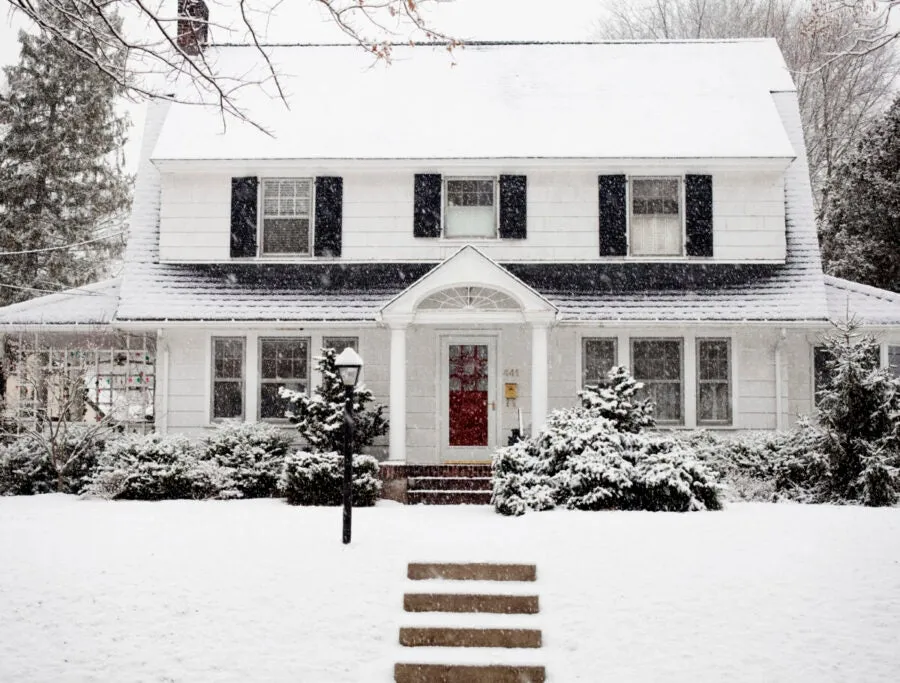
[193, 29]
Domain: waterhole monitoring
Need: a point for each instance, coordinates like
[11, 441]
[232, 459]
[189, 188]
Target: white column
[539, 375]
[397, 433]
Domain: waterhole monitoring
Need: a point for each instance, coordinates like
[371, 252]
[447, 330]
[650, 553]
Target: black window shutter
[613, 215]
[513, 207]
[329, 215]
[427, 205]
[698, 215]
[243, 216]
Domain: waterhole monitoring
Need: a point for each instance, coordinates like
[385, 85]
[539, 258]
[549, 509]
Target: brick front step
[450, 483]
[448, 497]
[446, 673]
[471, 571]
[468, 602]
[398, 470]
[416, 636]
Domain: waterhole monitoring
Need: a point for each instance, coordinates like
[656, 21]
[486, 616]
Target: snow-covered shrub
[64, 461]
[319, 416]
[252, 455]
[156, 467]
[317, 479]
[616, 401]
[581, 461]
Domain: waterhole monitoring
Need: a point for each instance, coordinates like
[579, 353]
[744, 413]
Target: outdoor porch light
[349, 364]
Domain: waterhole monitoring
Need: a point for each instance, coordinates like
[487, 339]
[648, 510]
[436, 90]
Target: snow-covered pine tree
[617, 400]
[859, 418]
[60, 156]
[320, 416]
[861, 231]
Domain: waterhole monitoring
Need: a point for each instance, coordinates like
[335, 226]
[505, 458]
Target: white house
[491, 231]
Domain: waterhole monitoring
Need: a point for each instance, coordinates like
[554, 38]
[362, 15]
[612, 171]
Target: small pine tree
[858, 418]
[61, 138]
[320, 416]
[617, 401]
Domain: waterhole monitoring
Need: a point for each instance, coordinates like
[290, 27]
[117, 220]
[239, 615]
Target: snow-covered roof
[872, 306]
[93, 304]
[612, 100]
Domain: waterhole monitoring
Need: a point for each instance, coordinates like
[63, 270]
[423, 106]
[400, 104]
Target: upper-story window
[471, 207]
[656, 225]
[286, 216]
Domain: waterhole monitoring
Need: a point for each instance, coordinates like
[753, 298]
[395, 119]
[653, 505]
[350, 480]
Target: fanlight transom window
[469, 299]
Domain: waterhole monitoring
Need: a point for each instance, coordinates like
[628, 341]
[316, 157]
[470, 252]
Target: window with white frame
[286, 216]
[713, 382]
[340, 343]
[471, 207]
[598, 355]
[228, 378]
[893, 358]
[283, 362]
[657, 363]
[656, 217]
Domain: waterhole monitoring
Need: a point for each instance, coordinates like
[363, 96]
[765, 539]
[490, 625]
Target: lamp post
[348, 364]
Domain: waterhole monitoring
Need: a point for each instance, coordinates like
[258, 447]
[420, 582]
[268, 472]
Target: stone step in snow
[454, 673]
[471, 571]
[450, 484]
[470, 602]
[441, 497]
[415, 636]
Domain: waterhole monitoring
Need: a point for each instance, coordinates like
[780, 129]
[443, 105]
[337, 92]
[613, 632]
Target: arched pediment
[469, 298]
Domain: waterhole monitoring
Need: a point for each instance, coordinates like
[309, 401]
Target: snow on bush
[156, 467]
[60, 462]
[596, 458]
[252, 455]
[317, 479]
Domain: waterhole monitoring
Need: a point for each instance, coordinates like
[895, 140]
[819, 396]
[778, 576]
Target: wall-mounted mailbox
[510, 390]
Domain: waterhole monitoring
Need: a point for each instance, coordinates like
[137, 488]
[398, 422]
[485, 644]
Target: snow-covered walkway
[260, 591]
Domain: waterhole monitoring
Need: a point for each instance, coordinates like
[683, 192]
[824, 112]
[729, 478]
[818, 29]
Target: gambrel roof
[612, 100]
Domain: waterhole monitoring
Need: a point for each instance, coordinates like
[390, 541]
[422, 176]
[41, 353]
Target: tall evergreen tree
[61, 177]
[861, 231]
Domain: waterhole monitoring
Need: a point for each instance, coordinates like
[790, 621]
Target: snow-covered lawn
[260, 591]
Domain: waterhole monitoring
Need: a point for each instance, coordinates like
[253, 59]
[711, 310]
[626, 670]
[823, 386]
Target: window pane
[271, 405]
[712, 357]
[477, 192]
[287, 198]
[598, 356]
[283, 358]
[228, 399]
[286, 236]
[713, 404]
[656, 235]
[341, 343]
[821, 375]
[228, 358]
[657, 363]
[667, 397]
[894, 360]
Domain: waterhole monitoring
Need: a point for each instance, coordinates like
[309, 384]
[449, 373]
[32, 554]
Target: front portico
[466, 326]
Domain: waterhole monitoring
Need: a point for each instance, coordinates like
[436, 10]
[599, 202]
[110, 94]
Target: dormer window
[656, 225]
[471, 207]
[286, 216]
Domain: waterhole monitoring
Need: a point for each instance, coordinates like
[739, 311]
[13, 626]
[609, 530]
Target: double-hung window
[656, 217]
[713, 382]
[228, 378]
[283, 362]
[471, 207]
[340, 343]
[598, 355]
[657, 363]
[286, 216]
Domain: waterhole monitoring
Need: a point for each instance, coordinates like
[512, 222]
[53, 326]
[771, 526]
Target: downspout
[779, 400]
[162, 383]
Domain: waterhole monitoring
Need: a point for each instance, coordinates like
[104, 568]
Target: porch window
[471, 207]
[228, 378]
[656, 217]
[286, 216]
[341, 343]
[284, 362]
[894, 360]
[658, 364]
[598, 355]
[713, 382]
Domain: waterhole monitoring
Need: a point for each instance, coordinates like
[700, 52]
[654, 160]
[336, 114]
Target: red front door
[468, 368]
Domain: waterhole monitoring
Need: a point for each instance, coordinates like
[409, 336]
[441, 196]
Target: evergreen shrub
[252, 455]
[317, 479]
